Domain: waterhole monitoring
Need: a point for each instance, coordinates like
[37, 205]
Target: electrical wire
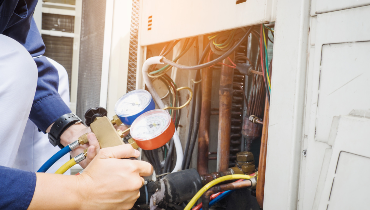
[66, 166]
[199, 206]
[262, 64]
[205, 65]
[266, 60]
[54, 159]
[163, 70]
[220, 197]
[213, 183]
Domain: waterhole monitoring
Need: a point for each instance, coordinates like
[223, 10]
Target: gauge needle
[152, 125]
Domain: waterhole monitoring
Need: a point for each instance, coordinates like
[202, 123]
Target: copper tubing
[203, 138]
[224, 122]
[262, 161]
[220, 188]
[233, 113]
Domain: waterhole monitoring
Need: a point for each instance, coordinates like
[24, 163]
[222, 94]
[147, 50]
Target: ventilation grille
[60, 49]
[58, 22]
[91, 55]
[132, 60]
[150, 21]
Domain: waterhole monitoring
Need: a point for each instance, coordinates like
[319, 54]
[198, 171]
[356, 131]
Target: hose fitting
[80, 157]
[83, 139]
[74, 145]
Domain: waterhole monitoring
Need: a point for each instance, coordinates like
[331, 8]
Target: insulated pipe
[158, 100]
[224, 122]
[203, 135]
[223, 187]
[262, 161]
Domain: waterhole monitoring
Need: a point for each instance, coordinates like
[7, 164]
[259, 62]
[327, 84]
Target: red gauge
[152, 129]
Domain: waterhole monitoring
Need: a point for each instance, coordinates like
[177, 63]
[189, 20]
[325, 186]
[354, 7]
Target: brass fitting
[244, 163]
[116, 120]
[133, 143]
[121, 133]
[83, 139]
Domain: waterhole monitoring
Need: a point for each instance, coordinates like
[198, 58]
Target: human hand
[110, 182]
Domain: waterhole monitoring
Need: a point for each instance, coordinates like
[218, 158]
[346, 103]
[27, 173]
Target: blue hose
[54, 159]
[220, 197]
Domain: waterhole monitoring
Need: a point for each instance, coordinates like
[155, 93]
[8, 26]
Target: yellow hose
[66, 166]
[213, 183]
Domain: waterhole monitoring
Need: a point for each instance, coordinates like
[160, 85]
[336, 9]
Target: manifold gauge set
[151, 128]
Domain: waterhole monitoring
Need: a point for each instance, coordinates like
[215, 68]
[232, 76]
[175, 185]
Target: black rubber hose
[156, 160]
[195, 132]
[205, 65]
[169, 157]
[193, 105]
[150, 158]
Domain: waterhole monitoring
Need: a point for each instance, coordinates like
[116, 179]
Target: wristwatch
[59, 126]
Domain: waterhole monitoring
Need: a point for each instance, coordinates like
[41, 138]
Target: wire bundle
[264, 59]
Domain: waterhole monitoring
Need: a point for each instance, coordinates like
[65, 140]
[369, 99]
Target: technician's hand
[110, 182]
[72, 133]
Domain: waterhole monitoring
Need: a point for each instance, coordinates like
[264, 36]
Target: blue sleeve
[16, 188]
[47, 105]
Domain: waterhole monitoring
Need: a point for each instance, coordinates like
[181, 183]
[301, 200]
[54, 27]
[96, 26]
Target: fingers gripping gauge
[133, 104]
[152, 129]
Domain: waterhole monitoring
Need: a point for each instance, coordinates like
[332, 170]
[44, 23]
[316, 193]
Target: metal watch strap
[59, 126]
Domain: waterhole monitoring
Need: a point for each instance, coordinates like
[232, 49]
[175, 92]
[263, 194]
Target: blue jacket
[16, 22]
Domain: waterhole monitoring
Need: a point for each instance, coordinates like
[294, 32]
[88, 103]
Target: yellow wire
[264, 39]
[211, 184]
[212, 37]
[66, 166]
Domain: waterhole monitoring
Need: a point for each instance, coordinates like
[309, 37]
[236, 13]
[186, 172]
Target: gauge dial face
[132, 103]
[150, 124]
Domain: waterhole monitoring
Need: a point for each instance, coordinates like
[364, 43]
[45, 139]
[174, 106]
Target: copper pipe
[233, 113]
[260, 190]
[224, 122]
[203, 139]
[259, 121]
[223, 187]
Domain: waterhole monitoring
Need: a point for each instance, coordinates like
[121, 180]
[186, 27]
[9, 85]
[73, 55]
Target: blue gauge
[133, 104]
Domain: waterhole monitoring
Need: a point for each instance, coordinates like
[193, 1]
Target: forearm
[56, 192]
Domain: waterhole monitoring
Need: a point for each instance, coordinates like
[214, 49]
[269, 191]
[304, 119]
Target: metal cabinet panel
[344, 83]
[164, 20]
[323, 6]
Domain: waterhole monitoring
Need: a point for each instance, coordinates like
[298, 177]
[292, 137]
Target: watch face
[133, 103]
[150, 124]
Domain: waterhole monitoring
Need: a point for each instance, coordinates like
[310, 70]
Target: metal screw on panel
[304, 153]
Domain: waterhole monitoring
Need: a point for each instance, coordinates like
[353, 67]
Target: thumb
[119, 152]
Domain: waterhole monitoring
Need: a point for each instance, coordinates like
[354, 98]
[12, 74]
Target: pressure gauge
[133, 104]
[152, 129]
